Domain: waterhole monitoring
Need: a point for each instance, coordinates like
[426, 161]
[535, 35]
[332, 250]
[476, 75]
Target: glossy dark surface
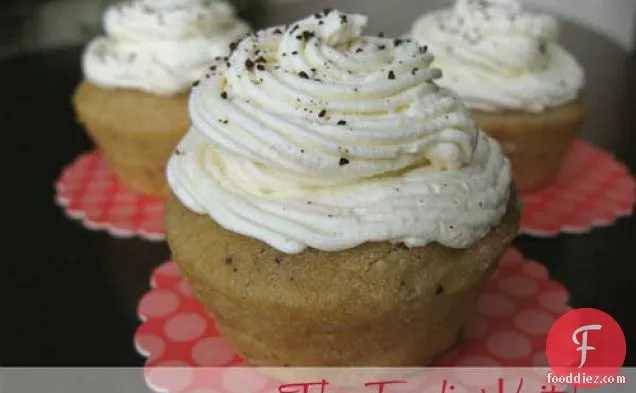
[70, 295]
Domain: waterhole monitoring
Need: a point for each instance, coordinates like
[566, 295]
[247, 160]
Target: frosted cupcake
[522, 87]
[134, 97]
[331, 205]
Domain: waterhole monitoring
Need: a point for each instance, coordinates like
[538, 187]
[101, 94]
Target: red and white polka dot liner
[88, 190]
[592, 190]
[509, 328]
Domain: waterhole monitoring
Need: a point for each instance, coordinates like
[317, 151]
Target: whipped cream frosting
[497, 56]
[160, 46]
[314, 135]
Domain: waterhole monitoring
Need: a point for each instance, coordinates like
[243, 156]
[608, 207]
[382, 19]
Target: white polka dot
[243, 380]
[185, 327]
[509, 345]
[212, 352]
[150, 346]
[184, 288]
[158, 303]
[555, 301]
[518, 286]
[494, 305]
[535, 270]
[534, 321]
[476, 328]
[171, 376]
[169, 269]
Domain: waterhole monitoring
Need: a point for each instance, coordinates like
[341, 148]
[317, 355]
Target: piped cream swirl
[316, 136]
[160, 46]
[497, 56]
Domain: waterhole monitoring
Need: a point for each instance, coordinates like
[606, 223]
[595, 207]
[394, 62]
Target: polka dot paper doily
[592, 190]
[88, 190]
[509, 328]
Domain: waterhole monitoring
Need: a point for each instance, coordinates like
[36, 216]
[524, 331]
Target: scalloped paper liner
[89, 191]
[509, 328]
[592, 190]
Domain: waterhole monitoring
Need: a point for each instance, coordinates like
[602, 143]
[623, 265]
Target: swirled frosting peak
[160, 46]
[313, 135]
[497, 56]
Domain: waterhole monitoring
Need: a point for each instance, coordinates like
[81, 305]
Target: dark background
[70, 295]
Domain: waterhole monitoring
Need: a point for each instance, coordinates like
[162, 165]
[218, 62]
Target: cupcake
[521, 86]
[134, 97]
[331, 205]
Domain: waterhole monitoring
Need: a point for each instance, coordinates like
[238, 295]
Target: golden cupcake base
[535, 143]
[137, 132]
[373, 305]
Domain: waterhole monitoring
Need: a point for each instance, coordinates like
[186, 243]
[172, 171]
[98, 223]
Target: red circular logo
[586, 348]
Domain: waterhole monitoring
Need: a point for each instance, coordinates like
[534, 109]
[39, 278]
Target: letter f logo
[584, 348]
